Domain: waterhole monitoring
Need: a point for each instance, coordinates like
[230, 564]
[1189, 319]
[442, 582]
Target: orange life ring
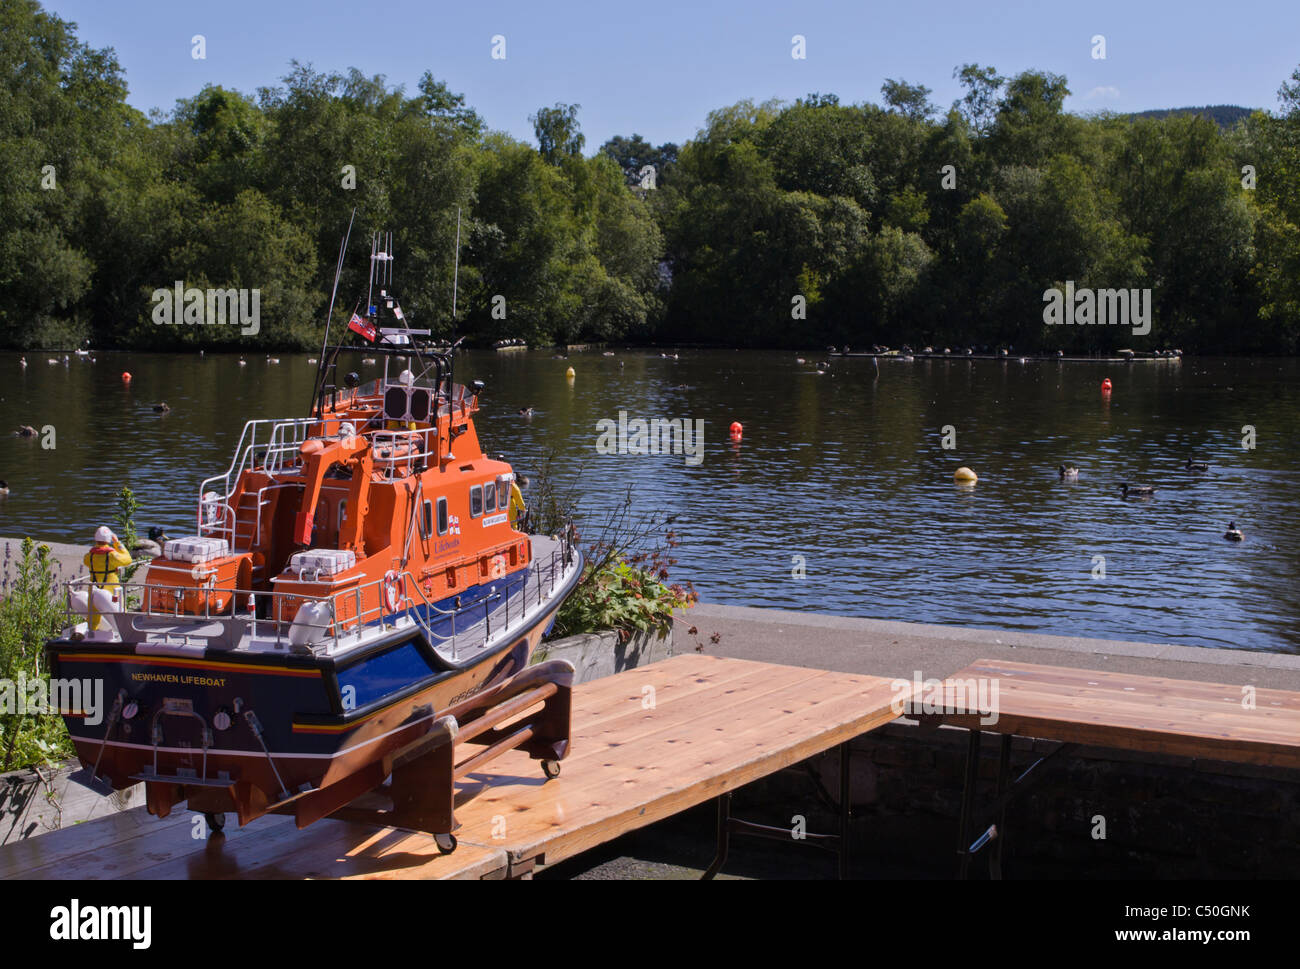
[392, 590]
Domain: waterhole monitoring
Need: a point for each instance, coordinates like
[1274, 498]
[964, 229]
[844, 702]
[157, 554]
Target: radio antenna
[455, 274]
[338, 272]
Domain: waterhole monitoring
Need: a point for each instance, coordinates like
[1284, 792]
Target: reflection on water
[846, 470]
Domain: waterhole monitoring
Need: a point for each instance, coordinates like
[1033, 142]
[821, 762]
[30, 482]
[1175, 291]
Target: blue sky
[658, 68]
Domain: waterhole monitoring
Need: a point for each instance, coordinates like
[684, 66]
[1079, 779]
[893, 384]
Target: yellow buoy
[570, 373]
[965, 474]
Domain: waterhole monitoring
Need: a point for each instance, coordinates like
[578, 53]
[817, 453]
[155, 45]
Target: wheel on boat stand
[446, 843]
[551, 768]
[216, 822]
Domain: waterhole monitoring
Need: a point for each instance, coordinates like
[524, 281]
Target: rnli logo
[453, 525]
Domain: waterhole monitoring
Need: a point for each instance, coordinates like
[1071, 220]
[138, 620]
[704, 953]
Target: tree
[979, 105]
[909, 100]
[1031, 125]
[558, 133]
[633, 154]
[438, 102]
[62, 117]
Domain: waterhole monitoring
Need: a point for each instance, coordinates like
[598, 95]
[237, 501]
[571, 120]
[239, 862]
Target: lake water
[843, 474]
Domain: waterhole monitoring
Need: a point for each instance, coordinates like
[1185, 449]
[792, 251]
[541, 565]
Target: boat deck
[647, 744]
[475, 628]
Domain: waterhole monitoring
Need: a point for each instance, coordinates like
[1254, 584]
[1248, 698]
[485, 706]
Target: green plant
[31, 612]
[124, 516]
[624, 584]
[551, 509]
[618, 595]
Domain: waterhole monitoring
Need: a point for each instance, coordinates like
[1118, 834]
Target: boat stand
[838, 843]
[415, 787]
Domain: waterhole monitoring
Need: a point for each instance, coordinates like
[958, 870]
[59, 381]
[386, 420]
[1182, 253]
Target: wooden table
[652, 742]
[1141, 713]
[648, 743]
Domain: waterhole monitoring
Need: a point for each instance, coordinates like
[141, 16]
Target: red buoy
[1105, 384]
[736, 430]
[126, 377]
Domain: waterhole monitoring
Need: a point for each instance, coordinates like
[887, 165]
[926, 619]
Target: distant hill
[1224, 115]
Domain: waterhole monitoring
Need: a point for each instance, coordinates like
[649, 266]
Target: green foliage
[1224, 115]
[623, 597]
[895, 222]
[235, 191]
[910, 100]
[624, 583]
[558, 134]
[633, 154]
[124, 517]
[31, 612]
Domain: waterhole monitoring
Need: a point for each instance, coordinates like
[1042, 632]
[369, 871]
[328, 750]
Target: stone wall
[594, 655]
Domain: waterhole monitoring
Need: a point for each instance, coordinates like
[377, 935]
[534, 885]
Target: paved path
[883, 648]
[68, 559]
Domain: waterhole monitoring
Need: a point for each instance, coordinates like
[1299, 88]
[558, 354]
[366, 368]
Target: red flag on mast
[359, 324]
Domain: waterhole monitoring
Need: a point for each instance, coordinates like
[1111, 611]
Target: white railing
[274, 445]
[474, 624]
[271, 441]
[404, 449]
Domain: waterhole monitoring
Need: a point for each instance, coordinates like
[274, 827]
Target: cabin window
[475, 501]
[503, 490]
[343, 512]
[490, 497]
[442, 516]
[426, 519]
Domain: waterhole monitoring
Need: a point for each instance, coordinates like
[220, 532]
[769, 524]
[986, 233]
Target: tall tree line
[777, 225]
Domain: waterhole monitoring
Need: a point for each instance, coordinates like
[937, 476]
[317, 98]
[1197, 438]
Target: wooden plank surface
[714, 726]
[1146, 713]
[647, 744]
[67, 843]
[270, 847]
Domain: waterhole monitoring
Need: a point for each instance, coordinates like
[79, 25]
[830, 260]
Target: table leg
[724, 837]
[846, 806]
[968, 803]
[1004, 775]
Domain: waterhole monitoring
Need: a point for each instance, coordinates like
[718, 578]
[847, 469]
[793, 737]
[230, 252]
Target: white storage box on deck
[196, 550]
[323, 561]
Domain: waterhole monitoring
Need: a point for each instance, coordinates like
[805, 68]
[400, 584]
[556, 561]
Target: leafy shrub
[620, 596]
[624, 582]
[31, 612]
